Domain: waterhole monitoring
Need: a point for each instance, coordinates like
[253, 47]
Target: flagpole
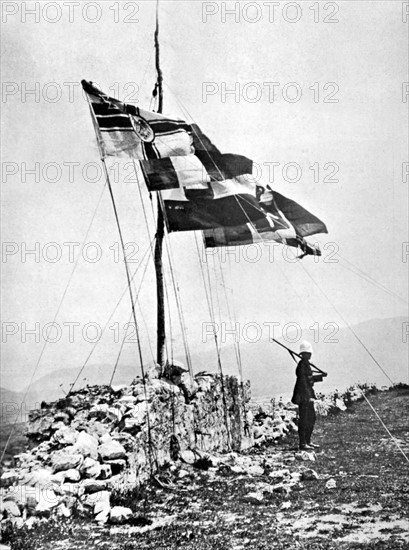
[160, 229]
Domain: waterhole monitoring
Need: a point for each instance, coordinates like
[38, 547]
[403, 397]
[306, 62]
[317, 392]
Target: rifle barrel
[298, 355]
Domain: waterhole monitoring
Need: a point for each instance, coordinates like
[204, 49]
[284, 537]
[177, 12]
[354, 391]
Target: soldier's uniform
[304, 396]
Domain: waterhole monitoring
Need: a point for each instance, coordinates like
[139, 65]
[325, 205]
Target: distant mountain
[269, 367]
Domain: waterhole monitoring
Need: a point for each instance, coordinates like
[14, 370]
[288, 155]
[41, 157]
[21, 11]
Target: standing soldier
[304, 397]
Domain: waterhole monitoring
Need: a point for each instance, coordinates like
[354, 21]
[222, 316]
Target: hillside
[352, 494]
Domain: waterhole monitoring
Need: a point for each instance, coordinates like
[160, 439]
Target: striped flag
[202, 188]
[189, 171]
[284, 221]
[126, 131]
[215, 204]
[160, 143]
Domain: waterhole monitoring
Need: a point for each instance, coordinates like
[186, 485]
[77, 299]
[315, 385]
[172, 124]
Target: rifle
[295, 354]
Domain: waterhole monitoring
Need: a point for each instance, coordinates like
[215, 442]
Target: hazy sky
[319, 90]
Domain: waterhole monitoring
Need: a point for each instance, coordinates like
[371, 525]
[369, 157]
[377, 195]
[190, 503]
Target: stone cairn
[103, 438]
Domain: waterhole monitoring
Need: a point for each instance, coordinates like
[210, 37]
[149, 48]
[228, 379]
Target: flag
[189, 171]
[284, 221]
[160, 142]
[304, 222]
[125, 130]
[213, 204]
[203, 189]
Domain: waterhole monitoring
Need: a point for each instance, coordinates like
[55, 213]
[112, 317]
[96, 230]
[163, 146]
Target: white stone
[112, 450]
[128, 399]
[91, 468]
[331, 484]
[30, 523]
[119, 387]
[47, 500]
[63, 510]
[188, 456]
[101, 499]
[138, 413]
[87, 445]
[102, 509]
[120, 514]
[66, 459]
[254, 498]
[11, 508]
[114, 414]
[72, 475]
[105, 438]
[255, 470]
[66, 436]
[296, 477]
[38, 477]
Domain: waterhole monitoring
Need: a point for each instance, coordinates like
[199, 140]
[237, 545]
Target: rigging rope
[365, 276]
[138, 183]
[346, 322]
[211, 313]
[239, 361]
[108, 181]
[107, 322]
[150, 450]
[56, 315]
[119, 354]
[178, 304]
[370, 280]
[223, 284]
[143, 318]
[386, 429]
[238, 352]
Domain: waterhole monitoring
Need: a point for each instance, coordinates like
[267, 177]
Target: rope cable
[143, 318]
[178, 304]
[119, 354]
[107, 322]
[365, 276]
[386, 429]
[55, 317]
[346, 323]
[211, 313]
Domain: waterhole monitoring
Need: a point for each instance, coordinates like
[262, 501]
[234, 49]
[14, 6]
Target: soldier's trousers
[306, 421]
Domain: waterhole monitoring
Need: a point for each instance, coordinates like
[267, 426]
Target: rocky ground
[350, 494]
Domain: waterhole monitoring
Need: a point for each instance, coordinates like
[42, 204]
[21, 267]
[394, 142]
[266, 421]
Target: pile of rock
[102, 438]
[273, 422]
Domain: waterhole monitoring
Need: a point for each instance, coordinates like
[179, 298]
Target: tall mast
[160, 229]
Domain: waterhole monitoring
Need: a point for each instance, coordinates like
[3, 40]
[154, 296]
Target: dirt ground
[357, 497]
